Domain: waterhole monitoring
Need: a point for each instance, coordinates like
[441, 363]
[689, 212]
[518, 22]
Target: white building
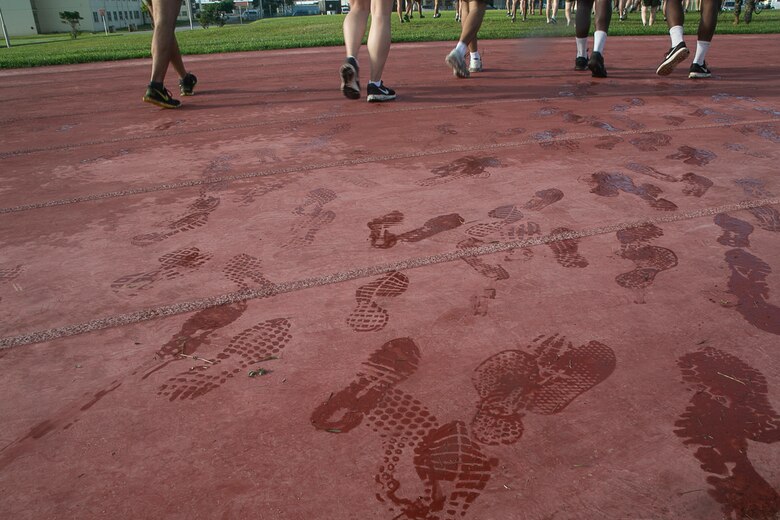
[119, 14]
[18, 17]
[25, 17]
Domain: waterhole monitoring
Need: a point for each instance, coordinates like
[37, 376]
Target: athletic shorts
[651, 3]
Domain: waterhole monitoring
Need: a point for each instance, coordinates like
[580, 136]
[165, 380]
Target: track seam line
[15, 153]
[131, 318]
[355, 162]
[633, 93]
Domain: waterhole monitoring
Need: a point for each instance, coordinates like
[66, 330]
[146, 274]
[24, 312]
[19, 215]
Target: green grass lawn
[315, 31]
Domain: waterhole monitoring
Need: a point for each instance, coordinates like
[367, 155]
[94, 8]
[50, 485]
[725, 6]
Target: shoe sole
[187, 93]
[159, 103]
[672, 61]
[699, 75]
[458, 69]
[378, 98]
[349, 85]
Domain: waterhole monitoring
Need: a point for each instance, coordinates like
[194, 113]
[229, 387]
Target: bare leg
[400, 10]
[473, 13]
[379, 36]
[567, 12]
[709, 20]
[582, 21]
[164, 38]
[355, 25]
[552, 6]
[653, 10]
[644, 15]
[603, 15]
[674, 13]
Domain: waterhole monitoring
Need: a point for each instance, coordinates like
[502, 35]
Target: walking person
[582, 26]
[472, 14]
[165, 51]
[651, 6]
[552, 6]
[378, 48]
[567, 10]
[679, 51]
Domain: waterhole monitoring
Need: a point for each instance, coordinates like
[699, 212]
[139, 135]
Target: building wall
[119, 14]
[18, 17]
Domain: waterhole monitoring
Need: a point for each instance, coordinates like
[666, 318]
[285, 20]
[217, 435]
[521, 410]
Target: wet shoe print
[736, 232]
[197, 216]
[649, 260]
[382, 238]
[245, 350]
[469, 167]
[172, 265]
[748, 283]
[392, 363]
[368, 315]
[729, 406]
[566, 250]
[542, 378]
[610, 184]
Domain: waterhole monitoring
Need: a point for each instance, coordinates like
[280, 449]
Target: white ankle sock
[676, 33]
[582, 47]
[599, 39]
[475, 55]
[701, 51]
[376, 83]
[461, 48]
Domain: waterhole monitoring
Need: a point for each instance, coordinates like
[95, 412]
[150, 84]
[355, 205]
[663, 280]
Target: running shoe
[596, 65]
[699, 71]
[187, 84]
[458, 63]
[406, 18]
[379, 92]
[675, 55]
[581, 63]
[475, 65]
[161, 97]
[437, 15]
[350, 86]
[553, 21]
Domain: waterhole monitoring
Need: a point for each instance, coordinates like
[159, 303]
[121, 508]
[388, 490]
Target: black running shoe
[699, 71]
[596, 65]
[581, 63]
[380, 93]
[187, 84]
[161, 97]
[350, 86]
[675, 55]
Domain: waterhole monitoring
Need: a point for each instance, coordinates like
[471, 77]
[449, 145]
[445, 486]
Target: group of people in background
[470, 14]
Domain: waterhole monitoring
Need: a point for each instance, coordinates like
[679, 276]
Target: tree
[72, 18]
[215, 13]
